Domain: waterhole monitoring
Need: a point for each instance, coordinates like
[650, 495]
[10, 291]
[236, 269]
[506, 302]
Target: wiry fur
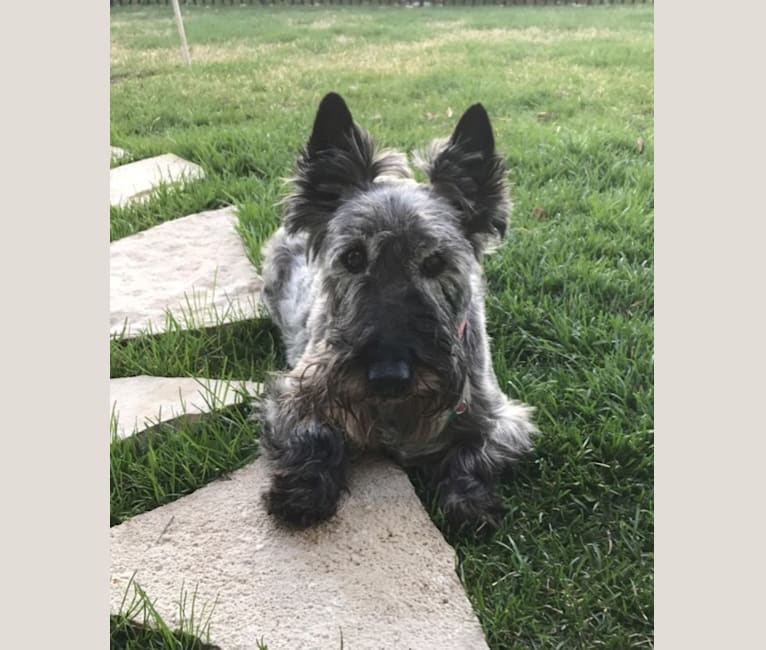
[346, 195]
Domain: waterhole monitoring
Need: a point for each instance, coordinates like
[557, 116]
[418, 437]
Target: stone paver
[116, 153]
[143, 401]
[194, 267]
[379, 573]
[137, 180]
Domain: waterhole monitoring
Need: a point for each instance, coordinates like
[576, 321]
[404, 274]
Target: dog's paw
[300, 501]
[468, 502]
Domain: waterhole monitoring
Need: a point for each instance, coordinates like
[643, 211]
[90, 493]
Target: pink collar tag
[462, 407]
[461, 329]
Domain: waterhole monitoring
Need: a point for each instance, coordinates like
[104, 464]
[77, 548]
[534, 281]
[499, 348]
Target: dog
[375, 283]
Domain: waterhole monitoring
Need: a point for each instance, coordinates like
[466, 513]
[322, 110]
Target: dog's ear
[338, 160]
[468, 172]
[333, 125]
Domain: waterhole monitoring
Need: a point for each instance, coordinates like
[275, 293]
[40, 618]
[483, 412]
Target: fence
[419, 3]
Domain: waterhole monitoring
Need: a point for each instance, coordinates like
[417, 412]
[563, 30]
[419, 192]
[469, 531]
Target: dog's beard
[435, 388]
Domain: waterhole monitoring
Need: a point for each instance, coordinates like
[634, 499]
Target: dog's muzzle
[389, 378]
[389, 371]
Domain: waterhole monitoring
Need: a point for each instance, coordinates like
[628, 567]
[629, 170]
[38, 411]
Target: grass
[570, 94]
[169, 460]
[139, 626]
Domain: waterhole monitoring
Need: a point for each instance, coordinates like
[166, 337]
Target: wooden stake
[181, 33]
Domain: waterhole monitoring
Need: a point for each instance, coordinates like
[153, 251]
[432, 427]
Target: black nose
[389, 378]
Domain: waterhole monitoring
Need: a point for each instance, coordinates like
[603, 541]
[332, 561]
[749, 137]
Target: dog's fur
[375, 281]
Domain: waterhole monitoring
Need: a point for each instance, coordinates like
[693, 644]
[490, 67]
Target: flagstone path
[194, 267]
[116, 153]
[143, 401]
[138, 180]
[379, 575]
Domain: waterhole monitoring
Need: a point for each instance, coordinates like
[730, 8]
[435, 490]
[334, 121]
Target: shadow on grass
[246, 350]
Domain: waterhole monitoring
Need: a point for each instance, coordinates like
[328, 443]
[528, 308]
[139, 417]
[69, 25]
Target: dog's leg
[286, 289]
[308, 458]
[489, 438]
[465, 486]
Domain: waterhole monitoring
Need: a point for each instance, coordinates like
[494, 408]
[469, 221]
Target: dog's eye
[433, 265]
[354, 260]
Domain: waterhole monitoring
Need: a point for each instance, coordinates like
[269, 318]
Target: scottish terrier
[375, 282]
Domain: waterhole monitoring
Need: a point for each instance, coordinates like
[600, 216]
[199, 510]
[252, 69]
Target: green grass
[167, 461]
[139, 626]
[247, 349]
[569, 91]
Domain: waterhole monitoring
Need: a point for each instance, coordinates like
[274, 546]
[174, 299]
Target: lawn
[570, 310]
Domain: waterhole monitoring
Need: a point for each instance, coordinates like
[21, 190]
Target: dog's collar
[462, 407]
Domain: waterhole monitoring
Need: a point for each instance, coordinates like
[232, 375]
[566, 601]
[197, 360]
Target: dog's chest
[402, 429]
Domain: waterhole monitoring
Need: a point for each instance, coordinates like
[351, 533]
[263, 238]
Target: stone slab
[194, 268]
[379, 573]
[141, 402]
[116, 153]
[137, 180]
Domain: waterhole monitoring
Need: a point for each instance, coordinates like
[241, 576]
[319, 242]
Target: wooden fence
[374, 3]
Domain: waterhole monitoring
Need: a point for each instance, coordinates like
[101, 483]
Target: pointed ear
[474, 132]
[333, 125]
[468, 172]
[338, 160]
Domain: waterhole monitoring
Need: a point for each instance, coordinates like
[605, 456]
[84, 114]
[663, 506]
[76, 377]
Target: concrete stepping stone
[116, 153]
[141, 402]
[194, 267]
[379, 574]
[137, 180]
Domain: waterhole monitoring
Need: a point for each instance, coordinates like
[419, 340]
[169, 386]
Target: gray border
[709, 328]
[708, 236]
[55, 319]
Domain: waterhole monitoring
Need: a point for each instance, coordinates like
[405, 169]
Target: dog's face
[397, 262]
[397, 276]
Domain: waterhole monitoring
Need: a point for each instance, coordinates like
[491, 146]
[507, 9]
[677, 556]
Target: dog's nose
[389, 378]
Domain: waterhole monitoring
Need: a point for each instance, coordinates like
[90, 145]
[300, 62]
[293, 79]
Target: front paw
[309, 475]
[302, 500]
[469, 501]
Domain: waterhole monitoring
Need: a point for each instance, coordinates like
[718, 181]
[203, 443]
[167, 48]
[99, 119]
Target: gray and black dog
[376, 284]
